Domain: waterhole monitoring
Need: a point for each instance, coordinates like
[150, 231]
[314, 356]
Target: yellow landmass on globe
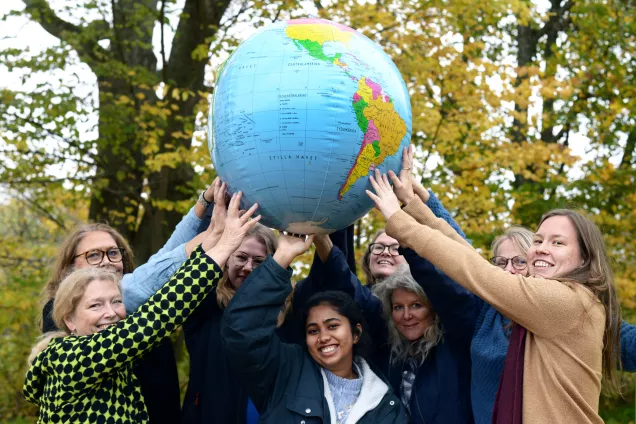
[384, 126]
[318, 33]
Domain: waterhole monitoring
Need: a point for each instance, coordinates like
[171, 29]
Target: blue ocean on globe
[302, 112]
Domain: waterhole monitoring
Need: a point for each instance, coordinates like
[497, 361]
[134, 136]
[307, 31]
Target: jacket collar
[373, 391]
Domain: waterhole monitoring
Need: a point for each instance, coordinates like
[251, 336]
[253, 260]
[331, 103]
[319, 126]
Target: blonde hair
[401, 348]
[596, 274]
[264, 235]
[520, 237]
[68, 295]
[66, 256]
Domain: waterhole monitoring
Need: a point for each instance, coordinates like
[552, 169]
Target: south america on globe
[302, 112]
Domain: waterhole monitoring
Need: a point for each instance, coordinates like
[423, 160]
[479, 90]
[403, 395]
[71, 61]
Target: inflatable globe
[302, 112]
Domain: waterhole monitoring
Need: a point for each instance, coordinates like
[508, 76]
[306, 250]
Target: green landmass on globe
[303, 110]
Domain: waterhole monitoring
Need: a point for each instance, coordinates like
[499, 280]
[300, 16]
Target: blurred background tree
[518, 107]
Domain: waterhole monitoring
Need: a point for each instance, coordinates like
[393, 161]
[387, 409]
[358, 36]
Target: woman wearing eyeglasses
[565, 338]
[214, 393]
[99, 245]
[83, 373]
[492, 330]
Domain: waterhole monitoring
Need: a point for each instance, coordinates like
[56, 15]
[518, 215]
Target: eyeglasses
[518, 262]
[242, 260]
[94, 257]
[378, 249]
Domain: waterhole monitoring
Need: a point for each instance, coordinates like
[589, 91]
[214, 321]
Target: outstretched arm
[545, 307]
[116, 346]
[413, 196]
[457, 308]
[248, 325]
[143, 282]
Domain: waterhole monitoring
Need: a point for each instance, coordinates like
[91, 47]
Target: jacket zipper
[413, 395]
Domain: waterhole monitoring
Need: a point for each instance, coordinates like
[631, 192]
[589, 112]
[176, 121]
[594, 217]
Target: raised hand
[220, 207]
[237, 224]
[290, 246]
[402, 186]
[219, 213]
[385, 200]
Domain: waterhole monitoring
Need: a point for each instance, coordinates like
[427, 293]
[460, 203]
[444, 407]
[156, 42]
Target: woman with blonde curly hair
[83, 371]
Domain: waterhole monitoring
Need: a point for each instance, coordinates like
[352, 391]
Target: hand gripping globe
[302, 112]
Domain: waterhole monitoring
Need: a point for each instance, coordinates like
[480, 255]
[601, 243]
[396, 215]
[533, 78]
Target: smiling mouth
[101, 327]
[328, 350]
[384, 263]
[410, 327]
[541, 264]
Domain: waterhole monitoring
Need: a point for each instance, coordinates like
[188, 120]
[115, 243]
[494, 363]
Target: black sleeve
[47, 318]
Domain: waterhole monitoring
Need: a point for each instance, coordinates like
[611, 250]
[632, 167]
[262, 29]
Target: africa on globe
[302, 112]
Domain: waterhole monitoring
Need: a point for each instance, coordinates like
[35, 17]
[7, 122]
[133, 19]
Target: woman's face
[100, 306]
[555, 248]
[508, 250]
[330, 340]
[250, 254]
[411, 315]
[94, 245]
[384, 264]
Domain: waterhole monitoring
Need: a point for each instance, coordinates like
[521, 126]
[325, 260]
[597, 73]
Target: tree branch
[42, 13]
[48, 215]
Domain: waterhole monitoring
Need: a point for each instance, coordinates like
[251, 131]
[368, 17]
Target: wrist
[203, 201]
[423, 194]
[284, 259]
[220, 254]
[408, 199]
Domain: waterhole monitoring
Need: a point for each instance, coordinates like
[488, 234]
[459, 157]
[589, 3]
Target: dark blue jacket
[628, 346]
[282, 379]
[442, 383]
[214, 394]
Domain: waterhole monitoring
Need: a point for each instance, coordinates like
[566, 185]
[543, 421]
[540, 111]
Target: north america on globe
[302, 112]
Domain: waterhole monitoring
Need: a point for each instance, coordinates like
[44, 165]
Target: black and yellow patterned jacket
[88, 379]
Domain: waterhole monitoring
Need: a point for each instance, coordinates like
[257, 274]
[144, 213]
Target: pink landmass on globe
[371, 135]
[375, 88]
[356, 97]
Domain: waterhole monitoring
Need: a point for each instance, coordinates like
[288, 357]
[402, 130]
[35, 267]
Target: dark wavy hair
[343, 304]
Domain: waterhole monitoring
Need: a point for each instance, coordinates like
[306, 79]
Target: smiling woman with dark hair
[327, 380]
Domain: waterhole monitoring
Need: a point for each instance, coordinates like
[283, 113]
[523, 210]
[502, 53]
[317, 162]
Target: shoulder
[589, 301]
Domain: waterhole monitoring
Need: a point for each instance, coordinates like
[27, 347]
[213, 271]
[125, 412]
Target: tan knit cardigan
[565, 322]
